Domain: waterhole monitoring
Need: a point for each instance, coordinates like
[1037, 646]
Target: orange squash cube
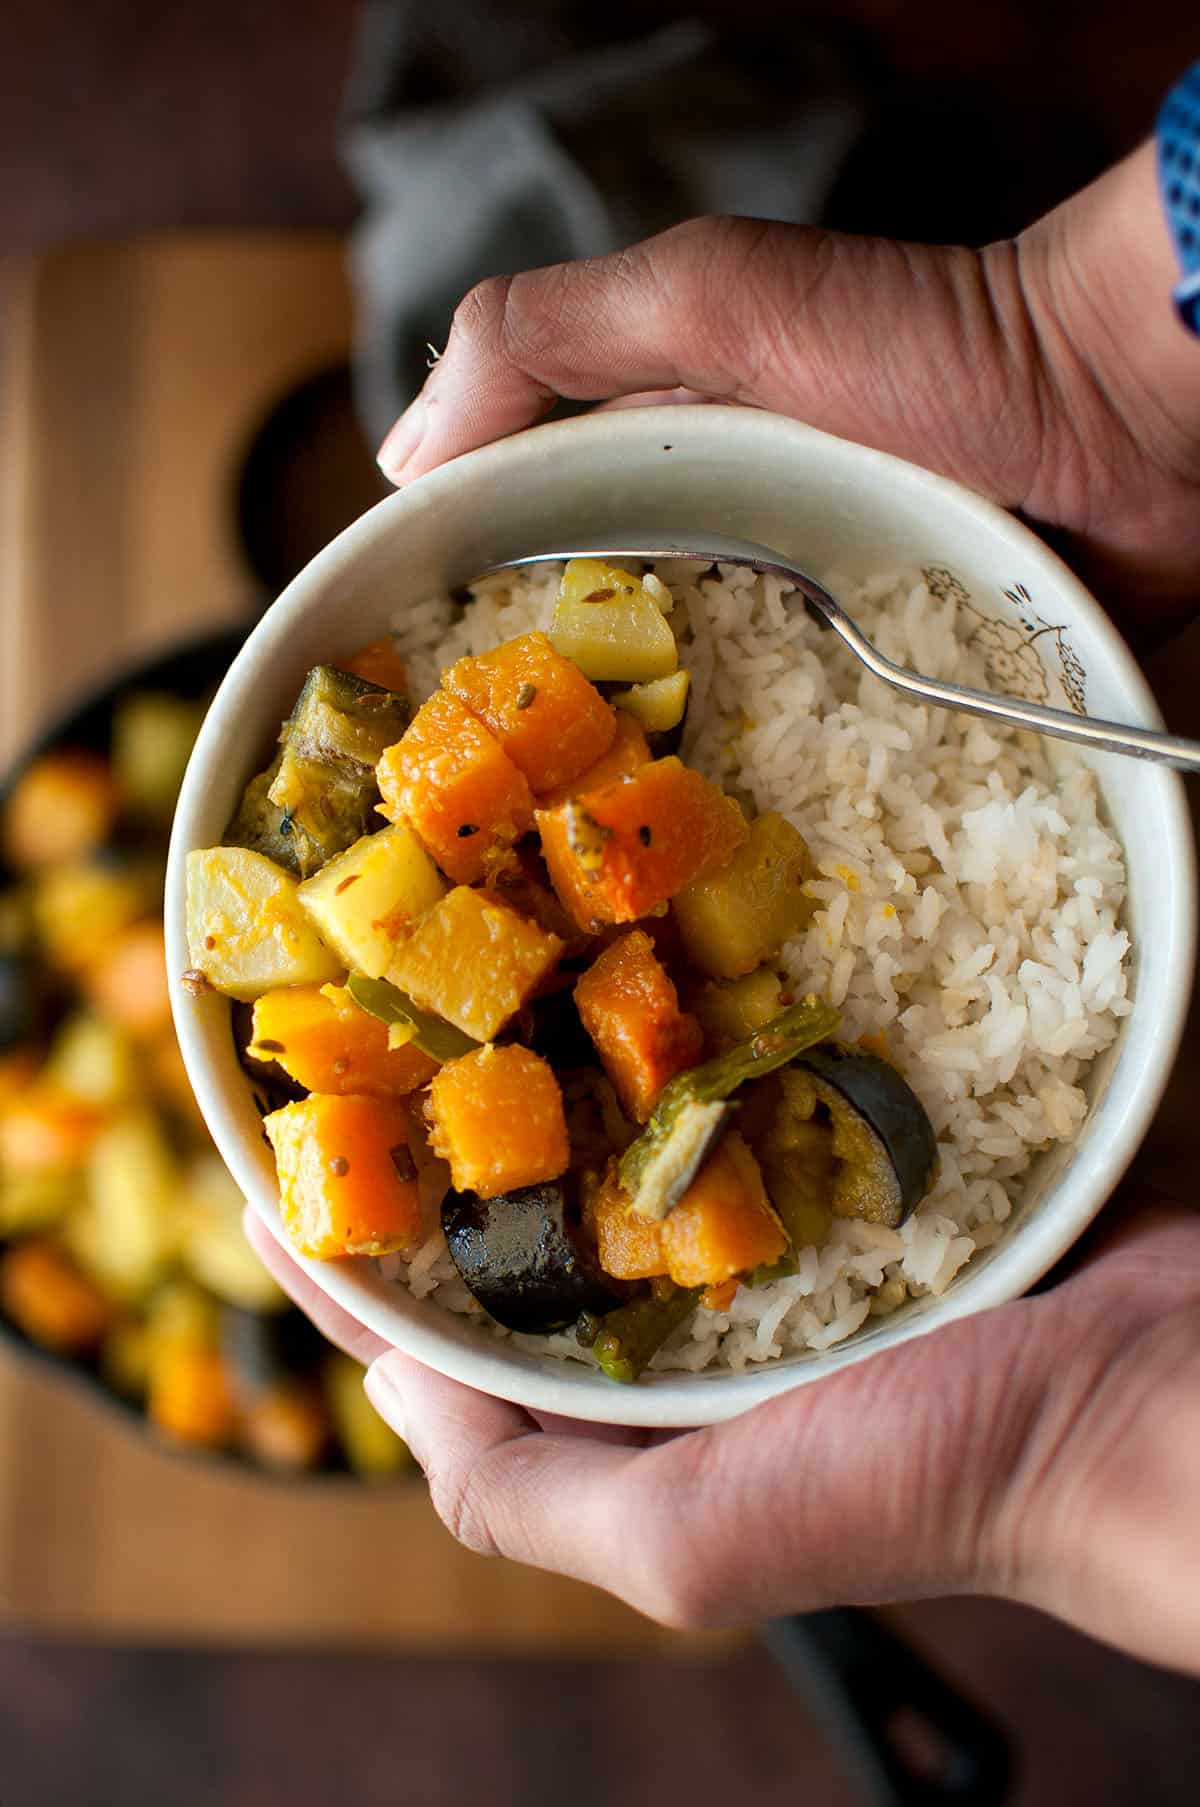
[189, 1396]
[628, 1247]
[628, 752]
[497, 1117]
[347, 1180]
[127, 982]
[449, 778]
[319, 1035]
[47, 1296]
[619, 853]
[44, 1130]
[724, 1224]
[630, 1008]
[474, 961]
[549, 719]
[378, 663]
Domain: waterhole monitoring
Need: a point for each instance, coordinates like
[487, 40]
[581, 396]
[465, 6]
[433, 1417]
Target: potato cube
[659, 706]
[474, 961]
[246, 930]
[497, 1117]
[737, 916]
[610, 625]
[550, 721]
[449, 778]
[364, 902]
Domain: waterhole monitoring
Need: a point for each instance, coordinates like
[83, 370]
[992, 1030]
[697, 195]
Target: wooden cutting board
[136, 377]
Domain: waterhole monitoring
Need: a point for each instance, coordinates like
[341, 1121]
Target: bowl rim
[671, 1399]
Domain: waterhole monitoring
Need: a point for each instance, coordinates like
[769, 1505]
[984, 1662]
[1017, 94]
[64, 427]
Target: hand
[1049, 373]
[1045, 1451]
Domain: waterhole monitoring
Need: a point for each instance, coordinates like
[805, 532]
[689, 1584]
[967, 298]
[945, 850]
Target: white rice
[968, 900]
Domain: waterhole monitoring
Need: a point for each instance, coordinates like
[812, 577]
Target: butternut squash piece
[364, 902]
[739, 914]
[497, 1117]
[619, 853]
[550, 721]
[378, 663]
[628, 752]
[326, 1043]
[630, 1009]
[47, 1297]
[47, 1130]
[724, 1224]
[474, 962]
[347, 1180]
[59, 809]
[188, 1394]
[627, 1246]
[449, 778]
[127, 982]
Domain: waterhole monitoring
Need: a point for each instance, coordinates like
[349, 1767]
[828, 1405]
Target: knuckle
[458, 1501]
[479, 316]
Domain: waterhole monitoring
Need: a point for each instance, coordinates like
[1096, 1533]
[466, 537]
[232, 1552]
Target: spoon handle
[1084, 730]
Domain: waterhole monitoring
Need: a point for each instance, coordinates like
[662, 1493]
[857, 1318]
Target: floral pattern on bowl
[1015, 663]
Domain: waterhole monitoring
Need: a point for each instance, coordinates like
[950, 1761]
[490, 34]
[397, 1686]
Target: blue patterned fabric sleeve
[1178, 135]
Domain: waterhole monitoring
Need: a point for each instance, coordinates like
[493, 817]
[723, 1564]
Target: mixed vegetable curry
[121, 1247]
[544, 1000]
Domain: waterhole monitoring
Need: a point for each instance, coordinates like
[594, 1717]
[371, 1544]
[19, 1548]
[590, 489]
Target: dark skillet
[191, 671]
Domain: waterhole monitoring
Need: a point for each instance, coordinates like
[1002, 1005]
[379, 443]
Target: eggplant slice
[885, 1151]
[523, 1258]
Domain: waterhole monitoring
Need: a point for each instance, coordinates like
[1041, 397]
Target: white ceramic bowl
[831, 505]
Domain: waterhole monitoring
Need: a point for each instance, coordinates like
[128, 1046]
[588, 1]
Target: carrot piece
[378, 663]
[628, 752]
[347, 1181]
[127, 983]
[56, 1305]
[628, 1247]
[319, 1036]
[630, 1009]
[449, 778]
[618, 853]
[189, 1396]
[549, 719]
[497, 1117]
[724, 1224]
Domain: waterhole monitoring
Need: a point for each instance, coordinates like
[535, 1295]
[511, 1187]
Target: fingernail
[403, 440]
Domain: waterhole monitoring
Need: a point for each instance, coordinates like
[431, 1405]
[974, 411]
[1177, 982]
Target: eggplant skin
[523, 1259]
[883, 1098]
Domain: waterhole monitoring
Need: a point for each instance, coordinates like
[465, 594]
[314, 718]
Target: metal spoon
[1086, 730]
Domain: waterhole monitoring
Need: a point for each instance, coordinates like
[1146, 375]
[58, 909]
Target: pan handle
[914, 1741]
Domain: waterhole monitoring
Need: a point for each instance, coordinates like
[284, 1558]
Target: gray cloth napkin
[484, 144]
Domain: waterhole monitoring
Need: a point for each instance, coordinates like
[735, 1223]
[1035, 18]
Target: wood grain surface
[136, 378]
